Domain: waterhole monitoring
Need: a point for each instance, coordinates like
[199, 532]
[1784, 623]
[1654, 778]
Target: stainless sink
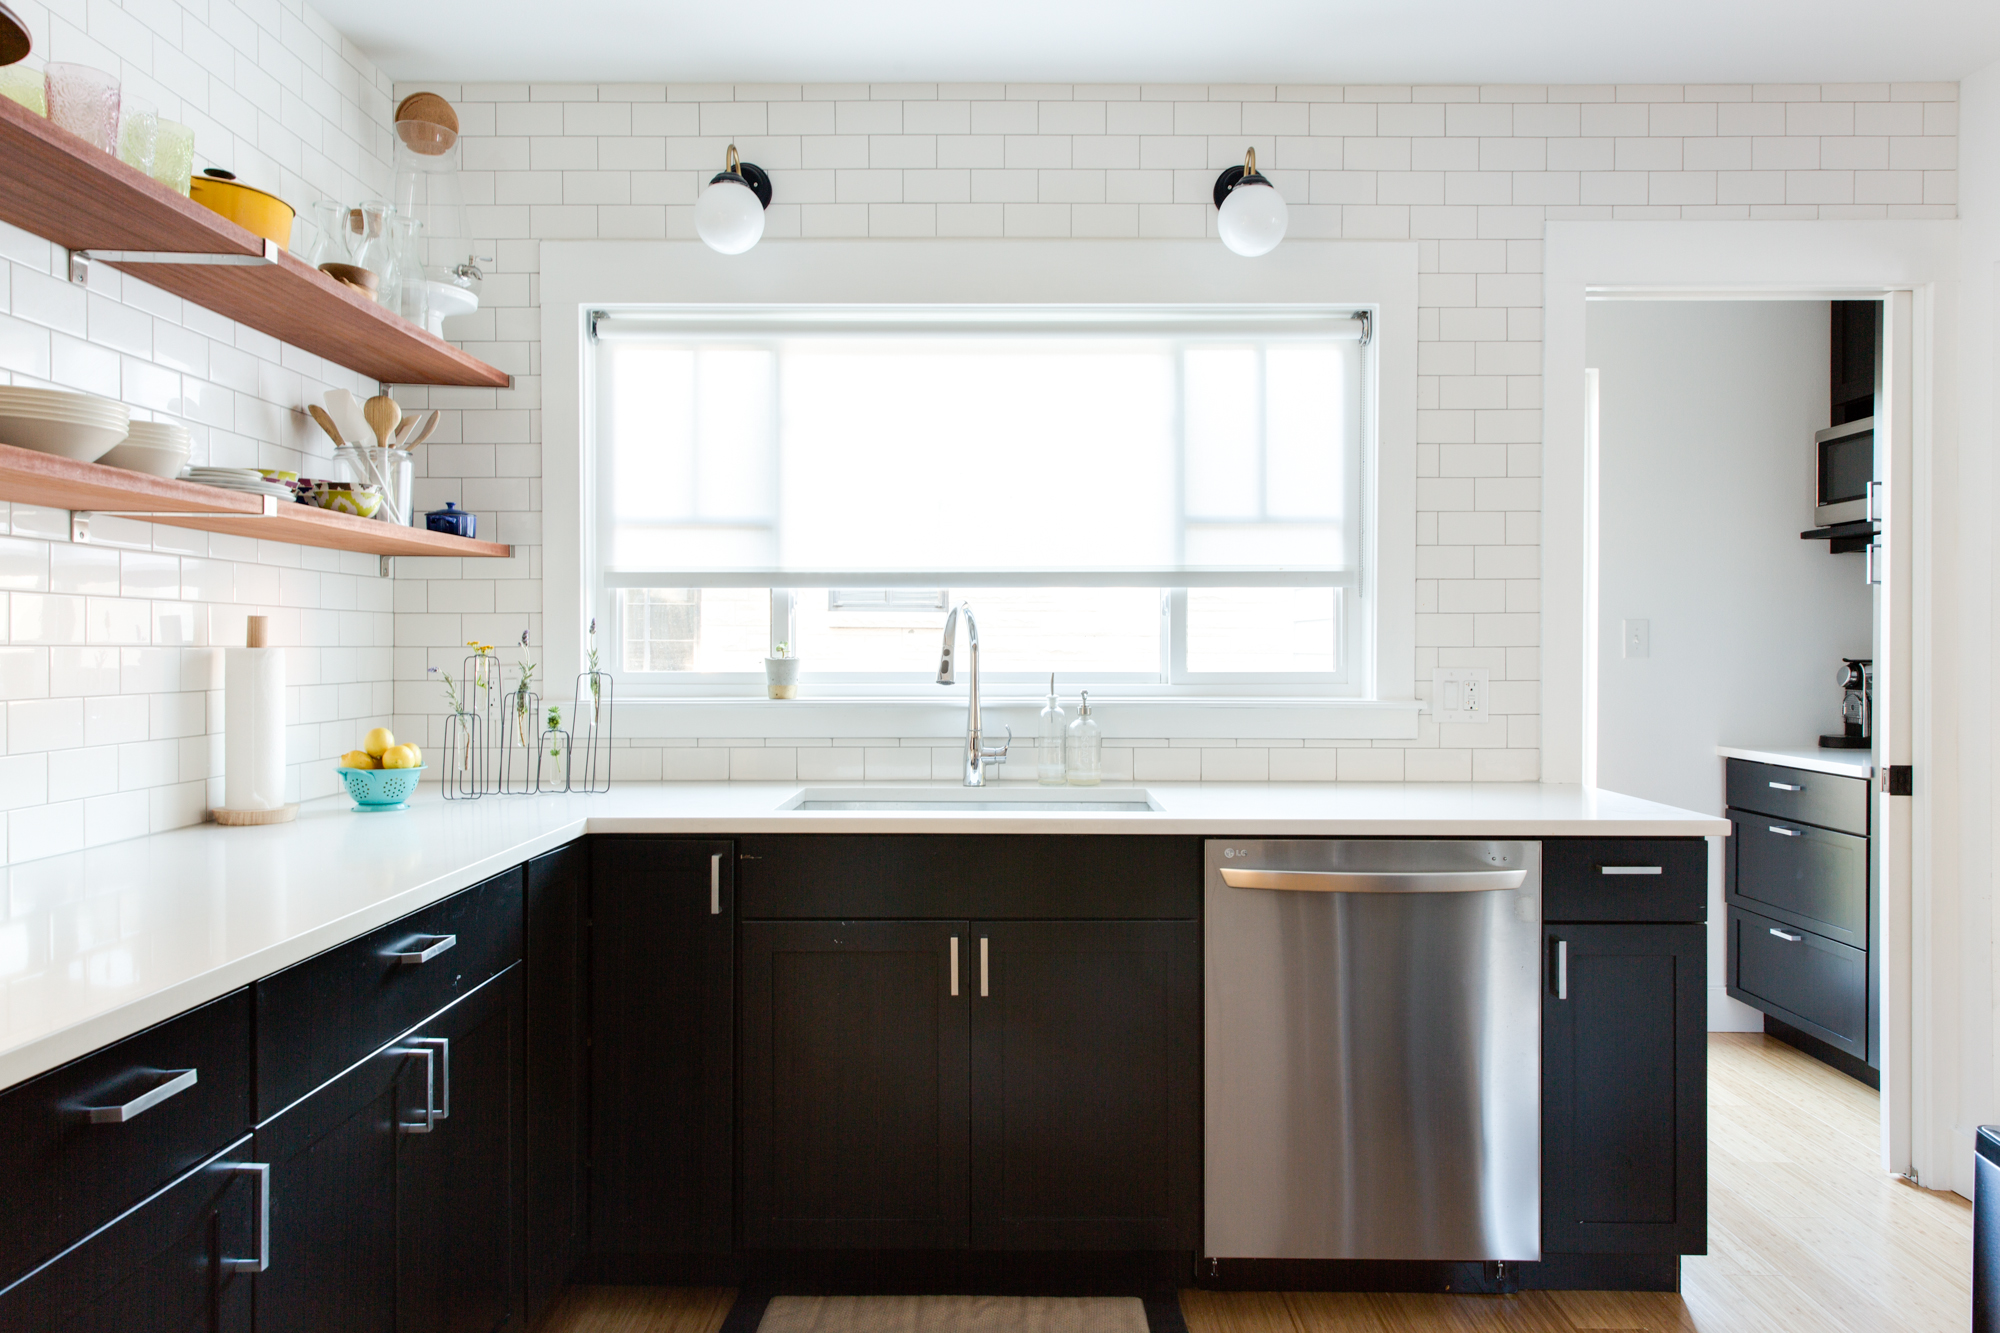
[952, 800]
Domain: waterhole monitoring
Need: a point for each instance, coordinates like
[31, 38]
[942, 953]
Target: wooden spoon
[425, 433]
[383, 414]
[319, 414]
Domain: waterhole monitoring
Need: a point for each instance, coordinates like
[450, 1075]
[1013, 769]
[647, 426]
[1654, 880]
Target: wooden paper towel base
[282, 815]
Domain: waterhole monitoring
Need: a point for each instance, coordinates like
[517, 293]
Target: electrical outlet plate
[1458, 694]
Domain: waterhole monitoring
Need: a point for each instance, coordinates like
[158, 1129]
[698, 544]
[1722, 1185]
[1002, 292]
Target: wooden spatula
[383, 414]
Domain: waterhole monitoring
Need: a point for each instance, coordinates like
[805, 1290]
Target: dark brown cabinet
[975, 1042]
[854, 1084]
[662, 1054]
[1086, 1078]
[1624, 1089]
[169, 1265]
[557, 1034]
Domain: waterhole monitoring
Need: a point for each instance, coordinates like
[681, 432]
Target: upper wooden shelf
[62, 188]
[61, 483]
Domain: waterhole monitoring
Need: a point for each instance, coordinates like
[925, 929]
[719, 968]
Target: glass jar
[411, 297]
[391, 469]
[1083, 752]
[427, 188]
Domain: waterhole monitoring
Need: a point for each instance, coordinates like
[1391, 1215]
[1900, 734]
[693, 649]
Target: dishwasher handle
[1375, 881]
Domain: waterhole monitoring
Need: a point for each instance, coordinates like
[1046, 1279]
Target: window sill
[944, 715]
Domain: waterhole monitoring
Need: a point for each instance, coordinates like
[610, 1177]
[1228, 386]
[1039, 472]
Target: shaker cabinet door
[854, 1084]
[1624, 1089]
[1086, 1084]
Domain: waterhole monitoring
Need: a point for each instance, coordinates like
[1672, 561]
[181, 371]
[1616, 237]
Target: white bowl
[68, 439]
[53, 412]
[155, 460]
[59, 400]
[162, 435]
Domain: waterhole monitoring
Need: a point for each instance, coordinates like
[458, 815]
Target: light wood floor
[1805, 1235]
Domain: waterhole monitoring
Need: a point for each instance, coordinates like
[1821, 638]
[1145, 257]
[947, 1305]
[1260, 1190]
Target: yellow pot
[264, 214]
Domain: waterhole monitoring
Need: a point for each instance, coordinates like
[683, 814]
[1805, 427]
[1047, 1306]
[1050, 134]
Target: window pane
[1263, 629]
[694, 629]
[1100, 630]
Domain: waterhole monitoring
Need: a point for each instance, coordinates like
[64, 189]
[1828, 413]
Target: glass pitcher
[369, 241]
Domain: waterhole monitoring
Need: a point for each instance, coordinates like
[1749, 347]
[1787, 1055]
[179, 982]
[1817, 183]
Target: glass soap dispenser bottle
[1049, 767]
[1083, 756]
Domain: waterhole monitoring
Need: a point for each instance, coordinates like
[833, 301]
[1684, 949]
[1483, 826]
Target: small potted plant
[781, 673]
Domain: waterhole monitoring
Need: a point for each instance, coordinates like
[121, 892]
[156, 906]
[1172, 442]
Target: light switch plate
[1635, 638]
[1458, 694]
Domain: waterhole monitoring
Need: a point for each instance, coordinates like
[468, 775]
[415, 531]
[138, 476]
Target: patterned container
[376, 789]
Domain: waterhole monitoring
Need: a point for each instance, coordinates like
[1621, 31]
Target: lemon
[378, 740]
[358, 759]
[400, 756]
[416, 754]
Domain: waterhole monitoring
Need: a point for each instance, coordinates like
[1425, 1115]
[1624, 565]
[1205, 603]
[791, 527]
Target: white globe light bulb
[729, 216]
[1252, 219]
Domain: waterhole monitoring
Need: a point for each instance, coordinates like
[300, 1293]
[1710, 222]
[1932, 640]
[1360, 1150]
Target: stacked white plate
[239, 479]
[159, 448]
[81, 426]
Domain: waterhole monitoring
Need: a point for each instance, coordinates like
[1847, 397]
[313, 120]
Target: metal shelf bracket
[79, 519]
[79, 261]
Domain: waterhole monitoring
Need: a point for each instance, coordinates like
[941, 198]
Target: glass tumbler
[390, 469]
[29, 87]
[84, 101]
[138, 133]
[173, 155]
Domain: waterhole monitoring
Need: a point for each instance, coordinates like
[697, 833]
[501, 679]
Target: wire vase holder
[520, 718]
[552, 761]
[590, 758]
[475, 730]
[465, 756]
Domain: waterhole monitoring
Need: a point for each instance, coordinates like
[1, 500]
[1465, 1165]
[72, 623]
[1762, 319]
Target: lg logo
[1235, 851]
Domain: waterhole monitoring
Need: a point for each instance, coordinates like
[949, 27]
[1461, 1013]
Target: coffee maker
[1857, 706]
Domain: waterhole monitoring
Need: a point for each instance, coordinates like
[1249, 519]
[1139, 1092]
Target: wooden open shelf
[59, 187]
[28, 477]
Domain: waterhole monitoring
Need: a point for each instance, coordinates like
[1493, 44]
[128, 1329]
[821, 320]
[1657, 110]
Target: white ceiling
[1175, 41]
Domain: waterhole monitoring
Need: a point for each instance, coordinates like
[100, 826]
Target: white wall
[1706, 415]
[1471, 174]
[111, 685]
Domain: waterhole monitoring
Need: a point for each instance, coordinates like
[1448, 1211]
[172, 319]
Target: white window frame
[578, 277]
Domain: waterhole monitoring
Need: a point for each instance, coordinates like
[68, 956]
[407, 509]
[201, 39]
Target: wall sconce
[729, 216]
[1252, 212]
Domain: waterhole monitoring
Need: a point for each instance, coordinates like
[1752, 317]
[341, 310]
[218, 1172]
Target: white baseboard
[1727, 1015]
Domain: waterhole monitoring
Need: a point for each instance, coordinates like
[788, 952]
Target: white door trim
[1783, 260]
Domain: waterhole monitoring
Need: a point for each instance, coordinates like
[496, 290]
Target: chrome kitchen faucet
[977, 756]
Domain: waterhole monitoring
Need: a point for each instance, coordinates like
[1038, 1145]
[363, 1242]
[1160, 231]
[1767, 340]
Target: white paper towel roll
[253, 722]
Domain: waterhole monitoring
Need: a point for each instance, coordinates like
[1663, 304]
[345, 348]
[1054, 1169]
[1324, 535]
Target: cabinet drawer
[1800, 977]
[319, 1017]
[82, 1143]
[1625, 879]
[1792, 793]
[1808, 876]
[994, 877]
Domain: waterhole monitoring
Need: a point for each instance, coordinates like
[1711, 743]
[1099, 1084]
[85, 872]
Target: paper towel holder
[257, 633]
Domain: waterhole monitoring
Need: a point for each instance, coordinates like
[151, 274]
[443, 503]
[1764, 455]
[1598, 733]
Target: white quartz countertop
[1845, 763]
[97, 945]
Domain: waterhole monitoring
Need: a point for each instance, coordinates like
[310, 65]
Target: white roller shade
[882, 447]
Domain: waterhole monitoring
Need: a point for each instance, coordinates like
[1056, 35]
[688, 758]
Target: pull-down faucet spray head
[945, 674]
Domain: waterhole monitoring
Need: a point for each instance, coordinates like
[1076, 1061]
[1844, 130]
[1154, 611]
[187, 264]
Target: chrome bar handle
[1786, 786]
[1630, 870]
[177, 1082]
[982, 967]
[1786, 832]
[429, 1122]
[1562, 969]
[443, 1045]
[954, 965]
[1872, 568]
[416, 950]
[1789, 939]
[715, 885]
[261, 1170]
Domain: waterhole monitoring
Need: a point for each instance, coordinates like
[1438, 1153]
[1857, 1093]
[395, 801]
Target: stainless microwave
[1843, 467]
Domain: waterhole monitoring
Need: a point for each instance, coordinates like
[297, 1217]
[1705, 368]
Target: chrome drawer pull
[429, 1122]
[1787, 832]
[1628, 870]
[954, 965]
[1789, 939]
[178, 1081]
[261, 1170]
[1562, 969]
[715, 885]
[443, 1045]
[983, 994]
[1786, 786]
[415, 950]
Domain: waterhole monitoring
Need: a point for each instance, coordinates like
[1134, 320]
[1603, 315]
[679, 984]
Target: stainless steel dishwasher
[1373, 1059]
